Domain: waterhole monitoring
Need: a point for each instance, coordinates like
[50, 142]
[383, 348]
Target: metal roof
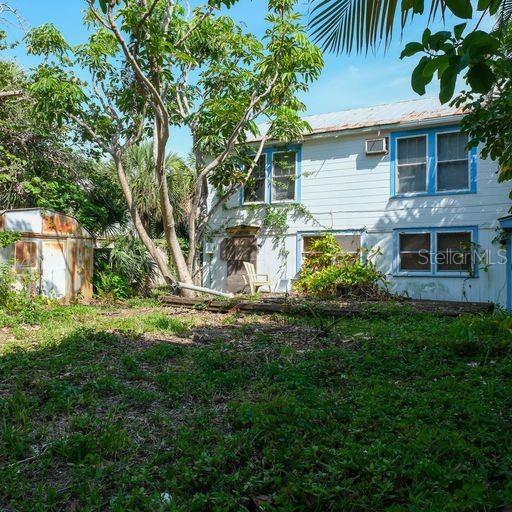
[402, 112]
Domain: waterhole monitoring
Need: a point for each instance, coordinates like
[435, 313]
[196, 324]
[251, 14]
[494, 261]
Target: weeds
[126, 413]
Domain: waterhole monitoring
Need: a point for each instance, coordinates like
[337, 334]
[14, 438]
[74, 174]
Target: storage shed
[53, 247]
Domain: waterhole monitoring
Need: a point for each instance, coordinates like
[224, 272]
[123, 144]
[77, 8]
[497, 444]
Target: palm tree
[141, 175]
[345, 25]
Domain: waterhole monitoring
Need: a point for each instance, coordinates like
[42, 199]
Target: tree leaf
[418, 81]
[461, 8]
[411, 49]
[103, 6]
[437, 39]
[458, 30]
[448, 81]
[481, 78]
[425, 38]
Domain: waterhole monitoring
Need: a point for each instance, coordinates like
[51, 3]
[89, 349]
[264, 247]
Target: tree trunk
[160, 137]
[139, 226]
[198, 204]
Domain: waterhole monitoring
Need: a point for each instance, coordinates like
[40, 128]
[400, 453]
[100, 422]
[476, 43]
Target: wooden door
[236, 250]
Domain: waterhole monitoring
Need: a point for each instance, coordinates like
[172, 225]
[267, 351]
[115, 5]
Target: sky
[347, 81]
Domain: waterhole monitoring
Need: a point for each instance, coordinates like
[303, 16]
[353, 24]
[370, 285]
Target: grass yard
[148, 409]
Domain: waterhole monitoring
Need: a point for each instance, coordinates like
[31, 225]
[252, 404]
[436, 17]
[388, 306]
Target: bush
[331, 272]
[124, 271]
[8, 294]
[16, 297]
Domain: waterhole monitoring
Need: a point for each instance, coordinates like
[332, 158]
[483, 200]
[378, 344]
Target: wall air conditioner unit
[376, 146]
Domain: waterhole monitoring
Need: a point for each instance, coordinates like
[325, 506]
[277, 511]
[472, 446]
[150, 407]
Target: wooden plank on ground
[337, 310]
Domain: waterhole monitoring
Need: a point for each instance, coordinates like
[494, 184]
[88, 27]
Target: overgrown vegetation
[37, 168]
[123, 271]
[17, 298]
[328, 271]
[148, 409]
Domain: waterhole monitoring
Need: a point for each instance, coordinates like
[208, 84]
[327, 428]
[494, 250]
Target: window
[452, 161]
[414, 252]
[350, 243]
[412, 164]
[436, 251]
[454, 252]
[25, 256]
[432, 161]
[254, 189]
[283, 176]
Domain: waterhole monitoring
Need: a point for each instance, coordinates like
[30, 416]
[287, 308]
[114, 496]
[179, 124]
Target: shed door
[235, 251]
[54, 269]
[80, 269]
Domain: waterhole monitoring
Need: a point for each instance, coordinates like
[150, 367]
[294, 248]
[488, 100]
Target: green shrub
[331, 272]
[16, 298]
[124, 271]
[8, 238]
[8, 293]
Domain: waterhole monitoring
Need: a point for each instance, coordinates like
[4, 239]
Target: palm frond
[343, 25]
[504, 16]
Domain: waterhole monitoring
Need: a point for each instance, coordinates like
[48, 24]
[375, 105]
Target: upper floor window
[452, 161]
[254, 188]
[412, 164]
[284, 168]
[432, 161]
[276, 177]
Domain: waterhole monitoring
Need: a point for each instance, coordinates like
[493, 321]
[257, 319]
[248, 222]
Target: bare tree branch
[11, 94]
[85, 126]
[232, 188]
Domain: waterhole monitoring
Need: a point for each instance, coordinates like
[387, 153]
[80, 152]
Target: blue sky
[347, 81]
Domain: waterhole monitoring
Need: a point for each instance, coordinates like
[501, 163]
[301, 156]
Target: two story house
[395, 179]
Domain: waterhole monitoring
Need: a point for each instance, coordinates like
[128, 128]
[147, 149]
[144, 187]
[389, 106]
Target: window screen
[452, 161]
[412, 164]
[284, 170]
[454, 252]
[348, 243]
[414, 251]
[254, 189]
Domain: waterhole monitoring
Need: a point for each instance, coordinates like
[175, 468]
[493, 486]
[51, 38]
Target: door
[236, 250]
[54, 268]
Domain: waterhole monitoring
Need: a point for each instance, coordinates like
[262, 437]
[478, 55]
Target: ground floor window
[436, 251]
[348, 242]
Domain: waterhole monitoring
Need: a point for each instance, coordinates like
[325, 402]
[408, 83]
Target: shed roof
[49, 222]
[399, 113]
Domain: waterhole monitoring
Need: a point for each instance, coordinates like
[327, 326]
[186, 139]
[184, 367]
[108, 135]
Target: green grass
[122, 411]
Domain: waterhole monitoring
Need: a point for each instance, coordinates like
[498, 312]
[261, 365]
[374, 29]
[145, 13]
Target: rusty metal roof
[402, 112]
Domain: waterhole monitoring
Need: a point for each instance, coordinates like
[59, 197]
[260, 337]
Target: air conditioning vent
[376, 146]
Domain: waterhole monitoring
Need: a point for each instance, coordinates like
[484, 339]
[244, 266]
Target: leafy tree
[488, 116]
[342, 25]
[482, 57]
[38, 169]
[153, 65]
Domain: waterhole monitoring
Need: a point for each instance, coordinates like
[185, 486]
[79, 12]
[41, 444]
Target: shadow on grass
[260, 415]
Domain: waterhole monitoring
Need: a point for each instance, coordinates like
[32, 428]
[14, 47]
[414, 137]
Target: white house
[396, 177]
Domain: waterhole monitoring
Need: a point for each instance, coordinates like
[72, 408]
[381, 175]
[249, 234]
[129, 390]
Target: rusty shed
[54, 248]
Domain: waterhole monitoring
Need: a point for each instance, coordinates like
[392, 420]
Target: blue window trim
[431, 134]
[302, 234]
[506, 224]
[433, 249]
[269, 155]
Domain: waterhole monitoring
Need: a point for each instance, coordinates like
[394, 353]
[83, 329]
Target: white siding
[346, 190]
